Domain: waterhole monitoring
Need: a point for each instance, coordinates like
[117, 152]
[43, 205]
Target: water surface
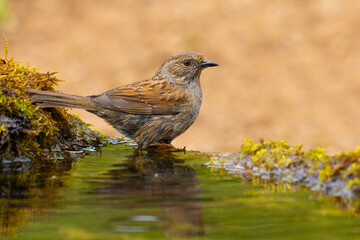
[121, 195]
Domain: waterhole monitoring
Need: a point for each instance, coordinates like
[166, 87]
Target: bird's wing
[147, 97]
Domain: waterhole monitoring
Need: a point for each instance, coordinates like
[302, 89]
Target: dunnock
[154, 110]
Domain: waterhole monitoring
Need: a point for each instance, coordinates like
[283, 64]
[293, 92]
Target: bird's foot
[166, 147]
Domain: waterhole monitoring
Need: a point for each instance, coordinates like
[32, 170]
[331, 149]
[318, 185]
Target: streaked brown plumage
[154, 110]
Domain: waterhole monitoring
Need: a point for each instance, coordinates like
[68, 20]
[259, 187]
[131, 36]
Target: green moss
[28, 131]
[279, 162]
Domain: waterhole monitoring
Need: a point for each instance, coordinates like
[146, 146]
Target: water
[119, 195]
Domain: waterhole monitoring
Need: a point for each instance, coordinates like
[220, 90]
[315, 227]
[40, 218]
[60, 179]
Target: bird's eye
[187, 62]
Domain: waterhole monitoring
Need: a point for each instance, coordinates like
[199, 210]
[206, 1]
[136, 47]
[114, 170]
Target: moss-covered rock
[27, 131]
[278, 162]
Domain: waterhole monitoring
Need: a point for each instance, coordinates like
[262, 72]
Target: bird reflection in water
[161, 179]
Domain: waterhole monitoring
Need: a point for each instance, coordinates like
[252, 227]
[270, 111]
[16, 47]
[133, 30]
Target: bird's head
[184, 67]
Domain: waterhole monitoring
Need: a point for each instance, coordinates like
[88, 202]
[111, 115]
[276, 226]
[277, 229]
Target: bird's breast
[191, 107]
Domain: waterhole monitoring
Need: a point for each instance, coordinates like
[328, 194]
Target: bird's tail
[47, 99]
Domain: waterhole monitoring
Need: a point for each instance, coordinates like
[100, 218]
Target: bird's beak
[207, 63]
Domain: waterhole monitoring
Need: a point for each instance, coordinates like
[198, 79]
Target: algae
[29, 132]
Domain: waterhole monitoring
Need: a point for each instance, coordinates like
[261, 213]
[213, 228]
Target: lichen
[27, 131]
[278, 162]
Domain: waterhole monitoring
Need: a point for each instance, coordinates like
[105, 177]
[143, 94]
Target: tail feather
[46, 99]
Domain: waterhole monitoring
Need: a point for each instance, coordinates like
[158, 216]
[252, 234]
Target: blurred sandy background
[289, 69]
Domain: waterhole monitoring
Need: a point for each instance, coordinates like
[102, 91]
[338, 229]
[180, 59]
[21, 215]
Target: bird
[151, 111]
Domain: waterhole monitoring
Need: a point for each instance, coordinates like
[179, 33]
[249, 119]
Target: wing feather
[147, 97]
